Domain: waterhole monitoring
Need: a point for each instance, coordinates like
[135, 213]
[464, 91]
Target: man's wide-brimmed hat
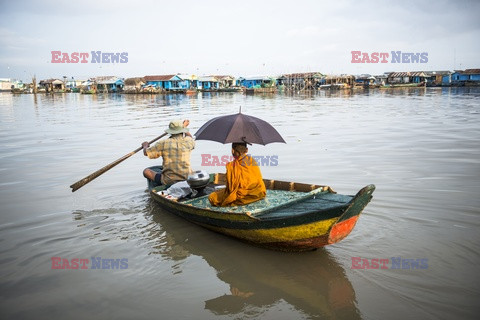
[176, 127]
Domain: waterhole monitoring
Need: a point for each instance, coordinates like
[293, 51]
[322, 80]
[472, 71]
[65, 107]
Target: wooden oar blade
[80, 183]
[77, 185]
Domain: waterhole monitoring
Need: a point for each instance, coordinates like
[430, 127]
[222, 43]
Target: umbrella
[238, 128]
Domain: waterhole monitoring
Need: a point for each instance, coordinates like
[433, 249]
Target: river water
[420, 147]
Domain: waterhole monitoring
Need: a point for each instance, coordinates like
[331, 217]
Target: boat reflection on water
[313, 282]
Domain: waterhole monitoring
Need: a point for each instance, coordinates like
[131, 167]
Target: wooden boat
[260, 90]
[88, 91]
[231, 89]
[292, 217]
[17, 90]
[403, 85]
[191, 91]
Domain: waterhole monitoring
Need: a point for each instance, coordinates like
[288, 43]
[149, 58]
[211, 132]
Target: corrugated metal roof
[407, 74]
[106, 79]
[187, 76]
[160, 77]
[103, 78]
[343, 76]
[208, 79]
[257, 78]
[51, 81]
[109, 81]
[437, 73]
[303, 75]
[364, 77]
[134, 81]
[223, 77]
[471, 71]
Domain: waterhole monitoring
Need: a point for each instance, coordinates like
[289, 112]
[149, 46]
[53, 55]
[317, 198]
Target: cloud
[228, 37]
[309, 31]
[11, 40]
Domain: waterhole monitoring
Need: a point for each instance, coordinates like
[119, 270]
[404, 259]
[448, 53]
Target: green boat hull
[293, 216]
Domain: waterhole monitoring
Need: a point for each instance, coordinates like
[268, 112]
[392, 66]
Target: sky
[239, 38]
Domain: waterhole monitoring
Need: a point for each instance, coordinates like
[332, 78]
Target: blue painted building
[170, 82]
[446, 79]
[239, 81]
[466, 76]
[109, 84]
[188, 81]
[208, 83]
[256, 81]
[459, 76]
[407, 77]
[364, 80]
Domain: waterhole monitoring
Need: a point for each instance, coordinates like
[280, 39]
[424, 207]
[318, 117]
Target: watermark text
[392, 57]
[389, 263]
[92, 263]
[92, 57]
[209, 160]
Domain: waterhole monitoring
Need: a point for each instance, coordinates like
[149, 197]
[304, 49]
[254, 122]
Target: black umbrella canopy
[238, 128]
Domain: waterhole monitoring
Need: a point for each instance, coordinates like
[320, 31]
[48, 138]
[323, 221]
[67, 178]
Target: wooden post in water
[34, 83]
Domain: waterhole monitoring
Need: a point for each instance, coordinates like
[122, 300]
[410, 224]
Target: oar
[77, 185]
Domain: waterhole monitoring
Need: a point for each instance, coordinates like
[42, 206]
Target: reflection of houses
[301, 81]
[169, 82]
[52, 85]
[407, 77]
[133, 85]
[208, 83]
[466, 77]
[109, 84]
[257, 82]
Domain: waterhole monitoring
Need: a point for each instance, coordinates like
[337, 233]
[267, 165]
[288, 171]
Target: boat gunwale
[344, 215]
[245, 220]
[310, 191]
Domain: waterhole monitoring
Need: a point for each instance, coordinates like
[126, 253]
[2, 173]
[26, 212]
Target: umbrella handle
[244, 140]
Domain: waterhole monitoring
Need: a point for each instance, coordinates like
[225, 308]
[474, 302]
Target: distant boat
[334, 86]
[88, 91]
[17, 90]
[260, 90]
[403, 85]
[231, 89]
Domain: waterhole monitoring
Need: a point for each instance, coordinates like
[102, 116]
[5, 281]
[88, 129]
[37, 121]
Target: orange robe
[244, 184]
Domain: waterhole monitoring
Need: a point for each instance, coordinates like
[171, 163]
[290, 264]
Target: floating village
[294, 82]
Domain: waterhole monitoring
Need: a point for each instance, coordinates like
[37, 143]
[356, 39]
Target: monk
[244, 180]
